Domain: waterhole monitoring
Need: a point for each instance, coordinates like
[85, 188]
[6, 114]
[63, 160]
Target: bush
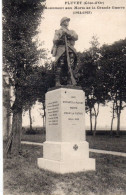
[105, 132]
[34, 131]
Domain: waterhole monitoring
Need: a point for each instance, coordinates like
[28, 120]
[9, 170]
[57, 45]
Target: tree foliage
[102, 75]
[20, 21]
[91, 79]
[113, 62]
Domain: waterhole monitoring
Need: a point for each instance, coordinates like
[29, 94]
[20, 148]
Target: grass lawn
[106, 142]
[103, 142]
[22, 176]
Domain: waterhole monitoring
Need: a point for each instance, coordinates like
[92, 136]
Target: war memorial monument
[65, 149]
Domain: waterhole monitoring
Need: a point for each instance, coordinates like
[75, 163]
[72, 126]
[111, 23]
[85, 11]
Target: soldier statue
[65, 54]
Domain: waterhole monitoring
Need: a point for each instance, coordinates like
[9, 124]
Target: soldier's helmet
[64, 19]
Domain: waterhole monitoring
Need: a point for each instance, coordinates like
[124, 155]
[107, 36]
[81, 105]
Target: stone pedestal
[65, 149]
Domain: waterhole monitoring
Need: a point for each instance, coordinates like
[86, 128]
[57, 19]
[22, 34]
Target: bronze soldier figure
[65, 54]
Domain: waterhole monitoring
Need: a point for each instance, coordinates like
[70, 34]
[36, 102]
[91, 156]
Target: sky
[108, 25]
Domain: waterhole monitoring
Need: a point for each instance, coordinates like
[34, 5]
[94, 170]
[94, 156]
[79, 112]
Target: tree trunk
[14, 141]
[118, 123]
[113, 111]
[94, 133]
[44, 116]
[118, 117]
[15, 146]
[111, 126]
[43, 121]
[91, 120]
[30, 118]
[96, 112]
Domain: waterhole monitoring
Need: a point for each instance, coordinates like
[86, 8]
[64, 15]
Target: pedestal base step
[67, 167]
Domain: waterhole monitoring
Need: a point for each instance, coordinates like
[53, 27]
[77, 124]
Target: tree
[20, 21]
[91, 79]
[29, 108]
[113, 62]
[37, 84]
[85, 80]
[94, 50]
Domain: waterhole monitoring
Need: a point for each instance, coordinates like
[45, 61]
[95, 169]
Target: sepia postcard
[64, 97]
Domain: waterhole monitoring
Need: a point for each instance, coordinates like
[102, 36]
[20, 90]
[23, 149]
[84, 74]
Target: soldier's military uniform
[59, 52]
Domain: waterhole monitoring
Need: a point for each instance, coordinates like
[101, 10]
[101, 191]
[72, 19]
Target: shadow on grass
[22, 176]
